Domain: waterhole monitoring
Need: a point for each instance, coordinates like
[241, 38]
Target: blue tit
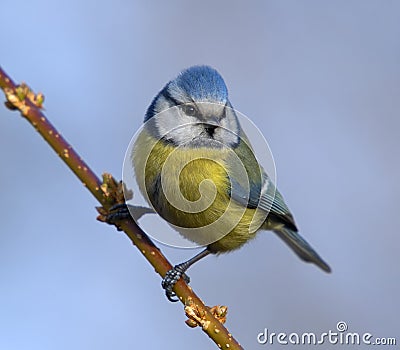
[210, 155]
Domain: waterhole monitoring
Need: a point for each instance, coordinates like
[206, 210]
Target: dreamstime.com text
[340, 336]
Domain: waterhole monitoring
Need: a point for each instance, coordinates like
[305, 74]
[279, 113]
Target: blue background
[320, 79]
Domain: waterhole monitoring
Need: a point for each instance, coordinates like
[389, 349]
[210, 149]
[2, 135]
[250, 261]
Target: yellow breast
[189, 187]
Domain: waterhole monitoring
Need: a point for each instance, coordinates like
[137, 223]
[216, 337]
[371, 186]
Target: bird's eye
[189, 110]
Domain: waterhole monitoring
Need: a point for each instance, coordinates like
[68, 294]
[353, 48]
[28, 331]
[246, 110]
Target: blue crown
[201, 83]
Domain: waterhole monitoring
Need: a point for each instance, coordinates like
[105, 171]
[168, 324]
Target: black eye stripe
[223, 115]
[169, 97]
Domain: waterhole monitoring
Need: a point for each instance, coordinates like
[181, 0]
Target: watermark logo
[340, 336]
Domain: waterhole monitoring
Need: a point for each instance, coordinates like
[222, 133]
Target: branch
[20, 97]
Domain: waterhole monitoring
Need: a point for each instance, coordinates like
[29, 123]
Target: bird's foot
[114, 215]
[171, 278]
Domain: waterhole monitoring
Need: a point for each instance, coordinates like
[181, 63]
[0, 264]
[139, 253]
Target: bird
[196, 167]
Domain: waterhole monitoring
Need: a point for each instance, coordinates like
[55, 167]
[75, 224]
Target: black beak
[210, 129]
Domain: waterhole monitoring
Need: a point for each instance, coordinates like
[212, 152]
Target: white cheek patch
[226, 136]
[186, 133]
[229, 131]
[174, 125]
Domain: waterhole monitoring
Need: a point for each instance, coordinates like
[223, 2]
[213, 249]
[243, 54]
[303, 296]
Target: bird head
[193, 110]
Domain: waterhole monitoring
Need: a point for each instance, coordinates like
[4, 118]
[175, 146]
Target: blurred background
[320, 79]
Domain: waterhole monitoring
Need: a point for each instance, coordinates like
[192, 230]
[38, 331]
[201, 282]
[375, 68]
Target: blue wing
[264, 195]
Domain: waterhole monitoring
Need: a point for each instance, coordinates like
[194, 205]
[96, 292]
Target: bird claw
[117, 213]
[170, 279]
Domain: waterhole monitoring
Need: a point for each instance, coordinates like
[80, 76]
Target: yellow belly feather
[197, 176]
